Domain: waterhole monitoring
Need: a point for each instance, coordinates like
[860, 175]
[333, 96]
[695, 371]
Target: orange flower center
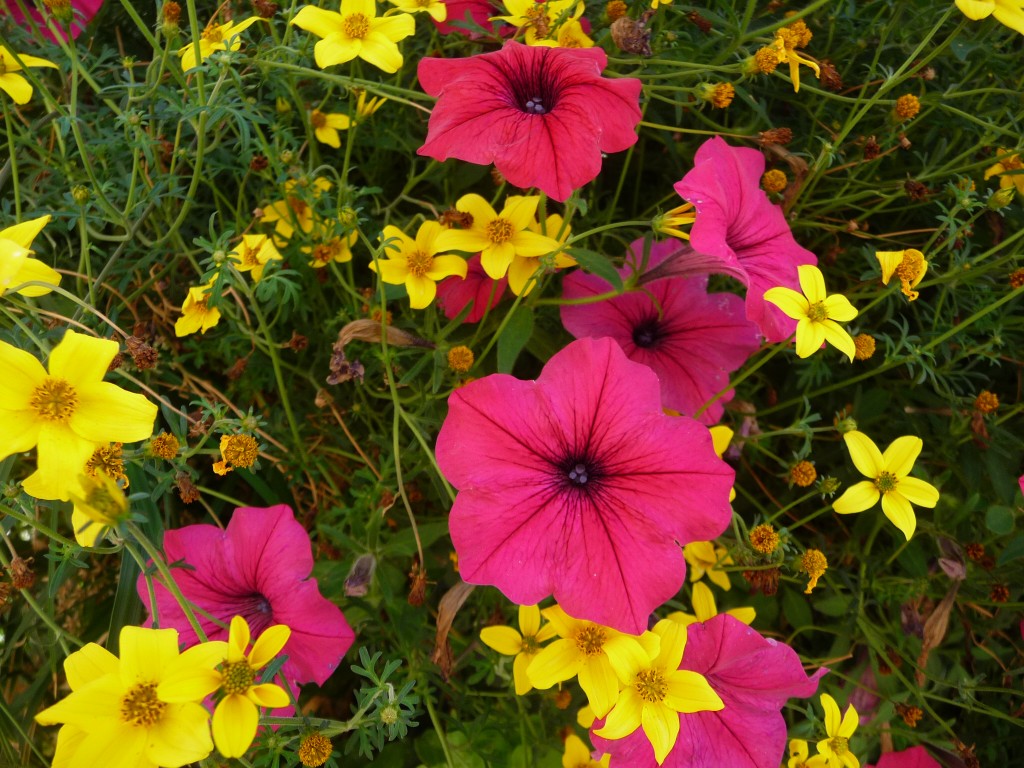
[499, 231]
[140, 706]
[356, 25]
[318, 119]
[651, 685]
[418, 263]
[238, 677]
[54, 400]
[590, 640]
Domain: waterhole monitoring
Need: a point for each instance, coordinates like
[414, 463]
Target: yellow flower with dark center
[1009, 169]
[798, 756]
[216, 37]
[540, 21]
[16, 266]
[336, 249]
[237, 452]
[704, 558]
[99, 503]
[326, 126]
[816, 313]
[294, 214]
[253, 254]
[656, 691]
[836, 747]
[524, 645]
[66, 410]
[523, 268]
[196, 314]
[415, 263]
[13, 84]
[356, 32]
[814, 563]
[908, 265]
[889, 479]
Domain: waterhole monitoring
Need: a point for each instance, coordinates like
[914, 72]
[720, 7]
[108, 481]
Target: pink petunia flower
[454, 293]
[754, 676]
[741, 228]
[542, 115]
[915, 757]
[480, 11]
[83, 11]
[578, 485]
[257, 568]
[691, 339]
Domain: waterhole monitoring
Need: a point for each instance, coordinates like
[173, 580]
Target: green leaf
[597, 264]
[1014, 550]
[796, 610]
[512, 340]
[834, 606]
[999, 520]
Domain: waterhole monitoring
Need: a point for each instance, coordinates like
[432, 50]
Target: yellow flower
[584, 649]
[798, 756]
[571, 35]
[890, 480]
[721, 436]
[237, 452]
[815, 312]
[578, 756]
[253, 254]
[15, 265]
[671, 222]
[814, 563]
[523, 268]
[498, 238]
[326, 126]
[703, 557]
[65, 411]
[196, 315]
[356, 32]
[99, 503]
[524, 645]
[1009, 169]
[336, 249]
[1008, 12]
[704, 608]
[538, 20]
[908, 265]
[293, 213]
[115, 713]
[216, 37]
[365, 108]
[13, 84]
[656, 691]
[836, 748]
[415, 264]
[436, 8]
[785, 53]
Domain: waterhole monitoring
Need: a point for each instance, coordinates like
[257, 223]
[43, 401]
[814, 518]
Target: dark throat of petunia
[647, 332]
[535, 82]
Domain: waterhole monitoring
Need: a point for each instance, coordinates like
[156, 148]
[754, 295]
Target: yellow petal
[789, 301]
[809, 337]
[85, 529]
[146, 654]
[625, 717]
[16, 86]
[238, 639]
[672, 639]
[519, 673]
[850, 721]
[898, 510]
[865, 454]
[466, 240]
[268, 645]
[395, 28]
[576, 752]
[520, 211]
[421, 290]
[90, 662]
[746, 615]
[381, 52]
[335, 50]
[447, 266]
[192, 675]
[61, 456]
[888, 260]
[180, 737]
[703, 603]
[477, 207]
[504, 640]
[976, 10]
[268, 695]
[234, 725]
[33, 270]
[626, 656]
[857, 498]
[918, 492]
[812, 283]
[901, 454]
[557, 662]
[529, 620]
[527, 243]
[839, 308]
[81, 359]
[599, 681]
[690, 692]
[838, 338]
[496, 258]
[661, 726]
[107, 413]
[318, 21]
[24, 233]
[832, 717]
[19, 431]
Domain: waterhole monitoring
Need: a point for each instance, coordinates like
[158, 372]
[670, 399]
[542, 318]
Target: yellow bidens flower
[523, 645]
[1009, 169]
[798, 756]
[67, 411]
[785, 45]
[237, 452]
[584, 649]
[413, 263]
[326, 126]
[577, 755]
[814, 563]
[540, 22]
[99, 503]
[356, 32]
[908, 265]
[656, 691]
[1008, 12]
[13, 84]
[196, 315]
[315, 749]
[16, 267]
[253, 254]
[365, 108]
[115, 713]
[815, 312]
[890, 480]
[436, 8]
[523, 268]
[216, 37]
[836, 748]
[498, 238]
[703, 557]
[705, 608]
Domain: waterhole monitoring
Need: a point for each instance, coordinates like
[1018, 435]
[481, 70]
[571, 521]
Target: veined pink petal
[915, 757]
[454, 294]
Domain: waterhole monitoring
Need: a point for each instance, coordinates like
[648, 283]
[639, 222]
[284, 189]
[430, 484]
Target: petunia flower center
[840, 745]
[140, 706]
[534, 105]
[54, 400]
[579, 474]
[356, 25]
[499, 231]
[590, 640]
[238, 677]
[647, 333]
[817, 312]
[886, 482]
[651, 685]
[418, 262]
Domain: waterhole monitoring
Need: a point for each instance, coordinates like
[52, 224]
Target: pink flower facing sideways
[454, 293]
[690, 338]
[257, 568]
[542, 115]
[578, 485]
[754, 676]
[742, 230]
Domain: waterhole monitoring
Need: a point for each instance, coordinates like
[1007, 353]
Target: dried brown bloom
[915, 189]
[1000, 593]
[829, 76]
[460, 359]
[315, 749]
[864, 346]
[803, 474]
[631, 36]
[563, 699]
[143, 355]
[171, 13]
[258, 163]
[871, 148]
[265, 9]
[1017, 278]
[237, 369]
[116, 363]
[774, 181]
[700, 22]
[616, 9]
[764, 538]
[764, 580]
[910, 714]
[22, 575]
[199, 426]
[456, 218]
[297, 342]
[975, 551]
[772, 136]
[5, 594]
[164, 446]
[186, 489]
[966, 754]
[907, 107]
[986, 402]
[418, 585]
[497, 177]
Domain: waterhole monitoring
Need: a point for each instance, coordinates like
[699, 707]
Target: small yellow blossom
[802, 474]
[326, 126]
[907, 107]
[164, 446]
[764, 538]
[539, 20]
[719, 95]
[524, 645]
[355, 31]
[216, 37]
[672, 221]
[774, 181]
[705, 609]
[253, 254]
[416, 263]
[814, 563]
[577, 755]
[836, 748]
[704, 558]
[986, 402]
[460, 359]
[366, 107]
[798, 756]
[864, 344]
[1009, 169]
[523, 268]
[13, 84]
[784, 46]
[196, 315]
[766, 60]
[315, 749]
[816, 313]
[16, 266]
[908, 265]
[99, 503]
[237, 452]
[615, 9]
[436, 8]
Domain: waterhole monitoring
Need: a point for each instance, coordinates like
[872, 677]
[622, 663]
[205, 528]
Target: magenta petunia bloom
[740, 227]
[454, 293]
[754, 676]
[691, 339]
[578, 485]
[258, 568]
[83, 11]
[480, 11]
[915, 757]
[542, 115]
